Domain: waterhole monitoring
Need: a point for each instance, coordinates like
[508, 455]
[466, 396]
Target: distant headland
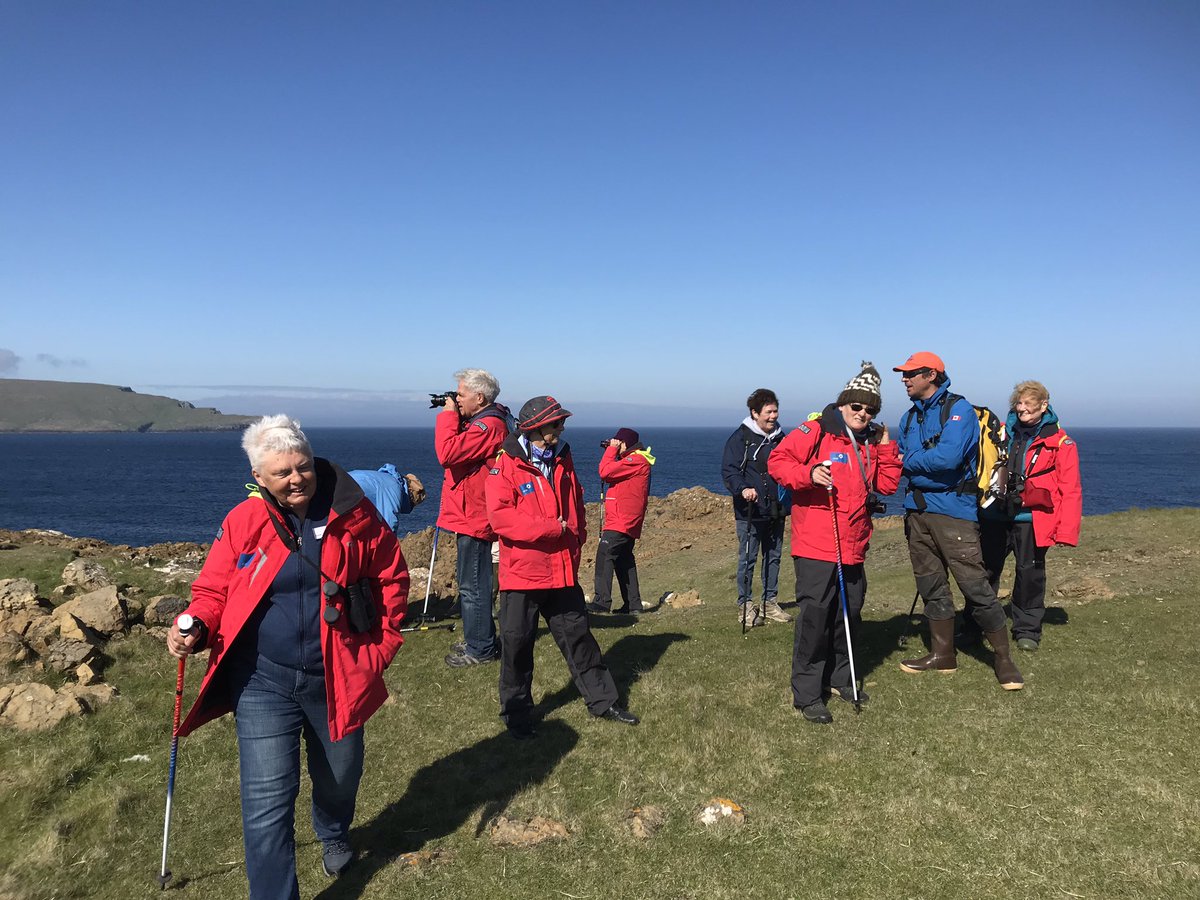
[65, 406]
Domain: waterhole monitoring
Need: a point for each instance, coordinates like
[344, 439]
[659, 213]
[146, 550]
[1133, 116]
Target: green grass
[1082, 785]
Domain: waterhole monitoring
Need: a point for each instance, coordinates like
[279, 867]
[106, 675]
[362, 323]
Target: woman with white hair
[300, 602]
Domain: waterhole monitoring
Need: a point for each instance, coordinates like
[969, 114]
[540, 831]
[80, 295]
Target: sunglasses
[859, 407]
[913, 373]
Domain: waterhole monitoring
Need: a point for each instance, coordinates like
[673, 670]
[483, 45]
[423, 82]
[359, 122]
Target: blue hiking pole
[185, 623]
[837, 543]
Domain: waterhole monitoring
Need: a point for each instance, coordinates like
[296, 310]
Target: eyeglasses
[913, 373]
[859, 407]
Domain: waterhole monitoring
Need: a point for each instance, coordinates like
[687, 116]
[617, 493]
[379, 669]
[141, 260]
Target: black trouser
[615, 551]
[997, 540]
[820, 657]
[939, 546]
[562, 608]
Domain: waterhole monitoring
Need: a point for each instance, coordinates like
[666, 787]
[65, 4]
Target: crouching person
[535, 505]
[300, 602]
[842, 454]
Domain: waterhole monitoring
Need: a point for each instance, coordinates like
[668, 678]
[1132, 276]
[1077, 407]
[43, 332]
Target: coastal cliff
[63, 406]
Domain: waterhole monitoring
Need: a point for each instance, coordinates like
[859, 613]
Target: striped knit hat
[540, 411]
[863, 388]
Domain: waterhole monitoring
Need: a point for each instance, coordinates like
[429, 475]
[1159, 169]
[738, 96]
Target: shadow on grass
[627, 659]
[445, 794]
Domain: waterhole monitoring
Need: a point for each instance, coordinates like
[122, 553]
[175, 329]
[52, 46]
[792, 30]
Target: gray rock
[86, 575]
[67, 654]
[163, 609]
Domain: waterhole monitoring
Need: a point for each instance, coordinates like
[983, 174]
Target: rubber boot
[941, 644]
[1007, 672]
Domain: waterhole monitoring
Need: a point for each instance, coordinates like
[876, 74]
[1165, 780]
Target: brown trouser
[939, 546]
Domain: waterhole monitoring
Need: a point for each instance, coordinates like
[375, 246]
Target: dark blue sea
[143, 489]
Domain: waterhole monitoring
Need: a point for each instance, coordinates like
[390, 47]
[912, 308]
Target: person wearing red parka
[535, 506]
[625, 472]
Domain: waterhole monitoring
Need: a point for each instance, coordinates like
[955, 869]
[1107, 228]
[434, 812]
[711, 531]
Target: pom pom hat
[863, 388]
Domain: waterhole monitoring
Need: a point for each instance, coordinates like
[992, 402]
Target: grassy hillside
[77, 406]
[1083, 785]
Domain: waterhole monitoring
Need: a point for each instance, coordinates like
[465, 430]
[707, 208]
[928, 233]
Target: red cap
[922, 359]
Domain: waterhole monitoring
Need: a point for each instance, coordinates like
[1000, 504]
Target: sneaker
[594, 607]
[465, 660]
[336, 858]
[620, 714]
[817, 713]
[847, 693]
[1029, 645]
[774, 613]
[752, 613]
[458, 647]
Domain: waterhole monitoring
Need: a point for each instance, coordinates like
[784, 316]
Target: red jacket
[1055, 469]
[524, 508]
[465, 448]
[628, 480]
[245, 558]
[812, 526]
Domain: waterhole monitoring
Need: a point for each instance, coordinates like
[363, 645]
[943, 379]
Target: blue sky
[646, 209]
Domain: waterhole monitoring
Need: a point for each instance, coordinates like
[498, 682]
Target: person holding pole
[467, 434]
[837, 466]
[300, 602]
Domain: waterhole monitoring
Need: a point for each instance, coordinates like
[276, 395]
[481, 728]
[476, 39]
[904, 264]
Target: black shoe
[817, 713]
[620, 714]
[847, 693]
[336, 858]
[521, 731]
[594, 607]
[621, 611]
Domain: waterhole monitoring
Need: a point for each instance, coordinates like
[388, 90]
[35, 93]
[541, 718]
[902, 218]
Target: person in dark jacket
[758, 509]
[1042, 508]
[535, 505]
[842, 457]
[941, 518]
[625, 470]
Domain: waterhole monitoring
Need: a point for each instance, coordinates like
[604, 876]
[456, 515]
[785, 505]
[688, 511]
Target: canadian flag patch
[956, 418]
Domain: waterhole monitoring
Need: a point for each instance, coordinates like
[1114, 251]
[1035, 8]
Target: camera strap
[330, 588]
[862, 470]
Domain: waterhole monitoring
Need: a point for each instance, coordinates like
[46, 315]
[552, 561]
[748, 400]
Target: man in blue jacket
[391, 493]
[941, 517]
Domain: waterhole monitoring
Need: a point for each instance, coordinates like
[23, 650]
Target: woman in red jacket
[535, 505]
[625, 468]
[845, 453]
[300, 602]
[1044, 508]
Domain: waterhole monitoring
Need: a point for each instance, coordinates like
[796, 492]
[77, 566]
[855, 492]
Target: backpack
[987, 480]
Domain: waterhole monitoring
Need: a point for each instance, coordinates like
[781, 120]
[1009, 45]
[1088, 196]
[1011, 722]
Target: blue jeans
[475, 595]
[274, 705]
[753, 536]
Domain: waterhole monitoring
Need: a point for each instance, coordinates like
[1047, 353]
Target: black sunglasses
[859, 407]
[913, 373]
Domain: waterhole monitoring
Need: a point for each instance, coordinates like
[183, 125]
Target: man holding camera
[941, 518]
[845, 456]
[467, 434]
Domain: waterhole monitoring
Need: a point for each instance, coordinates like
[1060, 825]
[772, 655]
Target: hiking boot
[336, 857]
[1006, 670]
[619, 714]
[466, 660]
[1029, 645]
[847, 693]
[458, 647]
[753, 614]
[941, 657]
[774, 613]
[817, 713]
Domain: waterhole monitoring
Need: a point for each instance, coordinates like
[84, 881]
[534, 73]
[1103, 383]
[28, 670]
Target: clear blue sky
[662, 203]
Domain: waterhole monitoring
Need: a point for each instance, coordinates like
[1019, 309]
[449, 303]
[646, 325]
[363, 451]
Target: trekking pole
[837, 544]
[429, 581]
[749, 579]
[449, 626]
[185, 623]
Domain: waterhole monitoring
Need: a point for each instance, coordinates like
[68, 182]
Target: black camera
[436, 400]
[875, 506]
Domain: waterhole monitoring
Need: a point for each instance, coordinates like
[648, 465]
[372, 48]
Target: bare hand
[749, 494]
[822, 476]
[179, 645]
[886, 438]
[416, 490]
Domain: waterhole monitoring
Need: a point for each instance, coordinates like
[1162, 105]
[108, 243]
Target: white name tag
[319, 531]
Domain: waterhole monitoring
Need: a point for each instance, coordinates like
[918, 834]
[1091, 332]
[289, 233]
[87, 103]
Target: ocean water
[148, 488]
